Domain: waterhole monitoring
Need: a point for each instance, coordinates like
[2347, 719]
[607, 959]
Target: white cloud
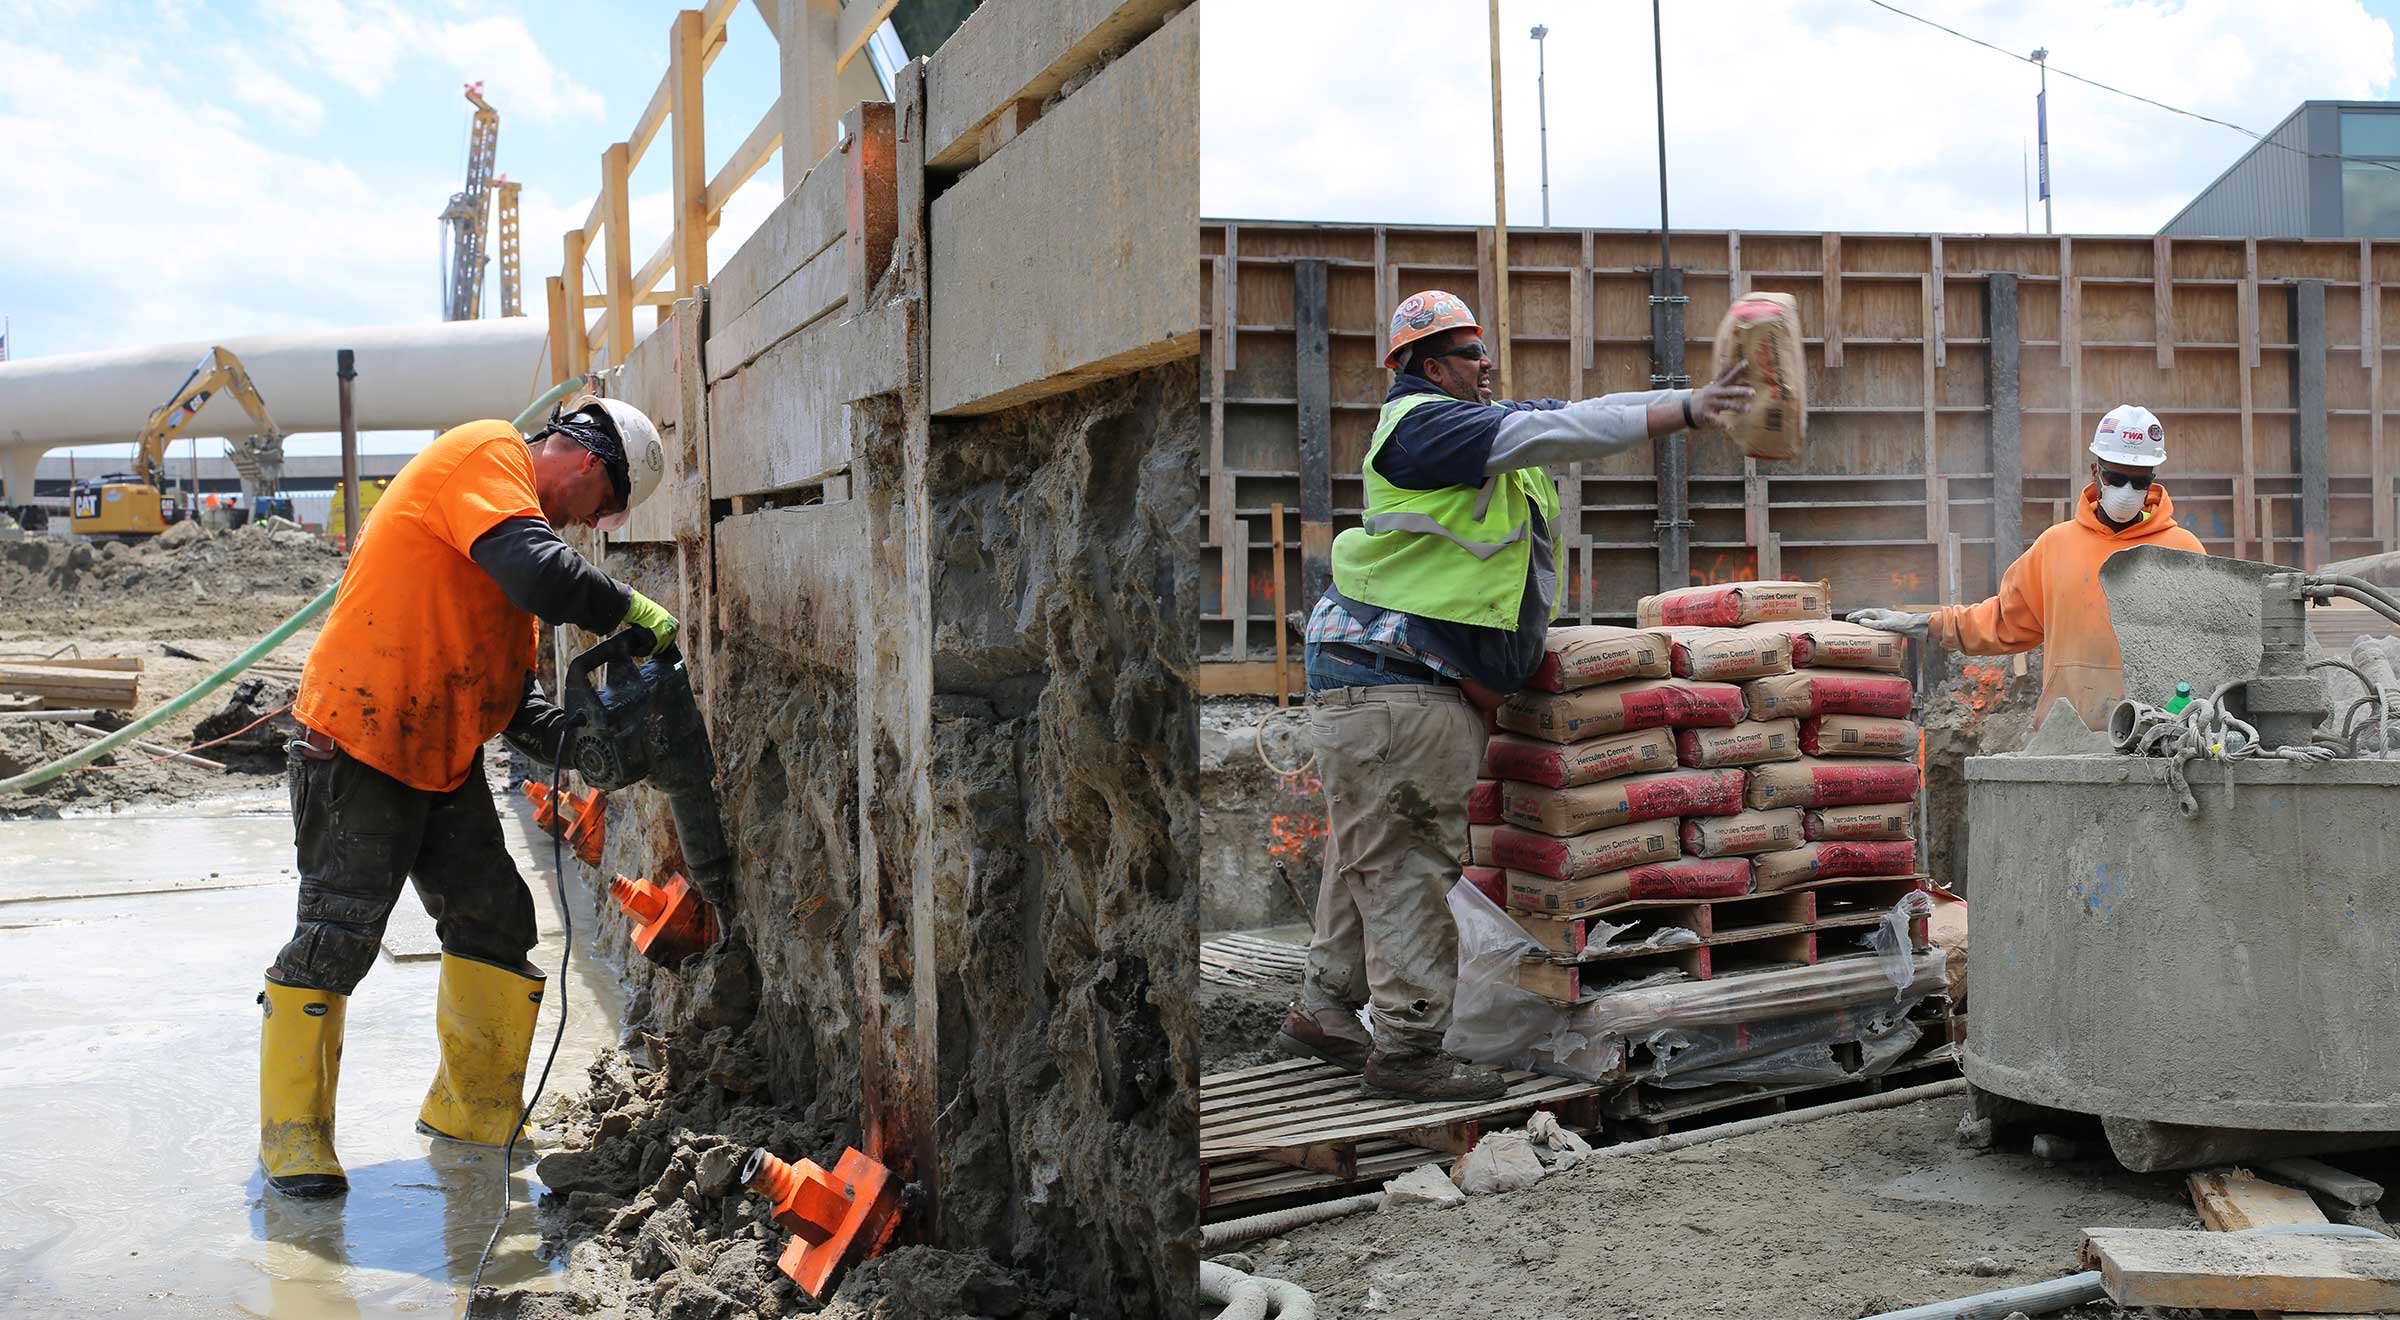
[354, 42]
[155, 242]
[521, 79]
[360, 43]
[1795, 114]
[254, 84]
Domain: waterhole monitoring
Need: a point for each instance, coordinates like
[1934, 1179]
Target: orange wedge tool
[670, 922]
[834, 1218]
[586, 818]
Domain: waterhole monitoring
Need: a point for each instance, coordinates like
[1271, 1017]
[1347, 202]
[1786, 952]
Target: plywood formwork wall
[929, 524]
[1893, 500]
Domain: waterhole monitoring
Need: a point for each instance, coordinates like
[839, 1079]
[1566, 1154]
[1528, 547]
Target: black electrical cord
[566, 917]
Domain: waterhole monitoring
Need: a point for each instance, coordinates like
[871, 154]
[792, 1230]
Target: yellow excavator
[132, 505]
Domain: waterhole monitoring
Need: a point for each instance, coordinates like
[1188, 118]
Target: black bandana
[591, 428]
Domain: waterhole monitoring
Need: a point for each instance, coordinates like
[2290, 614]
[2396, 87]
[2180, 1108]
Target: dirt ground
[1836, 1219]
[641, 1202]
[183, 606]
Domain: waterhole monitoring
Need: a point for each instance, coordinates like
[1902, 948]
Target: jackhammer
[640, 724]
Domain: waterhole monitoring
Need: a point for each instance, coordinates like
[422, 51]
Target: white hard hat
[645, 457]
[2131, 435]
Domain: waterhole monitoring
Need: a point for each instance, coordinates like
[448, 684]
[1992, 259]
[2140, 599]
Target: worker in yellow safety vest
[1439, 606]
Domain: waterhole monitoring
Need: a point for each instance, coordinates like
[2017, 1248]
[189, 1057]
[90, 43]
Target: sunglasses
[2141, 482]
[1477, 351]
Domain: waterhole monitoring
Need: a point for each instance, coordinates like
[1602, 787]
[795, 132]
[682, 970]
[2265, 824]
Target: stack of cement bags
[1738, 741]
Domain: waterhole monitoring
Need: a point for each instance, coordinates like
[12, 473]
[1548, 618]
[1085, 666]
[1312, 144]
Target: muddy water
[129, 1177]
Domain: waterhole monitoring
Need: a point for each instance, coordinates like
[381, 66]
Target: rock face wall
[1064, 550]
[1063, 826]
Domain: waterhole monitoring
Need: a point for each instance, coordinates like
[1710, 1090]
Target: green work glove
[646, 614]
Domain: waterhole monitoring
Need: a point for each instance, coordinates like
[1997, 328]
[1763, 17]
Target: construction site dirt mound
[124, 778]
[76, 581]
[1982, 707]
[1843, 1217]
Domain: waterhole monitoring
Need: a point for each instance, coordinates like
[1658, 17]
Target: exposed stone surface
[1062, 542]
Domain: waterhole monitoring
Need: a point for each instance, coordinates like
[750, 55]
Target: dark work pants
[361, 834]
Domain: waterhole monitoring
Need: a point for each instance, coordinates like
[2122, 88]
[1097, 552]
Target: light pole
[2041, 127]
[1541, 101]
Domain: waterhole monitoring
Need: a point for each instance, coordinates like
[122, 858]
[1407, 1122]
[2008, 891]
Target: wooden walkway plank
[2237, 1272]
[2230, 1200]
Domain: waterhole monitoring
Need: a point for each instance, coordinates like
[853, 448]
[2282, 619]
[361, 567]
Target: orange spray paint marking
[1292, 835]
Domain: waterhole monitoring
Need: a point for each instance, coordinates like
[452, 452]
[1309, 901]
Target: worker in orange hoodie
[2051, 596]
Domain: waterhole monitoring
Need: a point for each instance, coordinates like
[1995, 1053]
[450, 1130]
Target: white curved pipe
[426, 377]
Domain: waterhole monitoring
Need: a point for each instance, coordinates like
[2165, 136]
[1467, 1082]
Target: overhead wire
[2136, 96]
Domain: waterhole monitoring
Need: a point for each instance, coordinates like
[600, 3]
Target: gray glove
[1893, 621]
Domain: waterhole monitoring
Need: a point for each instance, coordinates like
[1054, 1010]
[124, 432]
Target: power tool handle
[625, 646]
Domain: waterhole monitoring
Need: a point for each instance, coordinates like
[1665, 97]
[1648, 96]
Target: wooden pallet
[1252, 962]
[1239, 1185]
[1317, 1117]
[1746, 932]
[1644, 1110]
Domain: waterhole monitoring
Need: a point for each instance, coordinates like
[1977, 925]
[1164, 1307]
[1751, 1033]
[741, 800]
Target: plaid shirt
[1386, 632]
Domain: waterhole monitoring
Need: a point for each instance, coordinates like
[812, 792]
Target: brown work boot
[1331, 1034]
[1432, 1075]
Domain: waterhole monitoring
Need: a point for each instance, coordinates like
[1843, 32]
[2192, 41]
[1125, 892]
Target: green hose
[283, 633]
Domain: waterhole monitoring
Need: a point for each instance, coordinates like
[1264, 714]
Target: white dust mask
[2121, 503]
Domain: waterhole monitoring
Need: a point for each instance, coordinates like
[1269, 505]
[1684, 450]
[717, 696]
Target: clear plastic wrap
[1706, 1028]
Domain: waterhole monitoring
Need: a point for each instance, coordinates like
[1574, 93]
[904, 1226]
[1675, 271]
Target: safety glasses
[1474, 350]
[2141, 482]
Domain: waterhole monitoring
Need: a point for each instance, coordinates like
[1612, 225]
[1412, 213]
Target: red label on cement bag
[1894, 820]
[1857, 735]
[1564, 765]
[1738, 836]
[1830, 861]
[1491, 880]
[1688, 793]
[1860, 857]
[1732, 604]
[1684, 705]
[1690, 877]
[1584, 855]
[1483, 802]
[1828, 692]
[1862, 694]
[1809, 782]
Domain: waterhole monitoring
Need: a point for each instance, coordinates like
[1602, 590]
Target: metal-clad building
[2279, 190]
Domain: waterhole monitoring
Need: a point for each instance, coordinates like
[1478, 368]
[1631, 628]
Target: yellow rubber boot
[485, 1017]
[299, 1069]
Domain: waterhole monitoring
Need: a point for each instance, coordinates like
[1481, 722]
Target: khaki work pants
[1397, 763]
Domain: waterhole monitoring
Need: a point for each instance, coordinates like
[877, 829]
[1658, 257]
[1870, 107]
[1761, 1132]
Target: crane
[512, 302]
[130, 505]
[465, 220]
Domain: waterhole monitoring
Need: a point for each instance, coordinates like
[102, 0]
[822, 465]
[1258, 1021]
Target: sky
[180, 169]
[193, 169]
[1781, 114]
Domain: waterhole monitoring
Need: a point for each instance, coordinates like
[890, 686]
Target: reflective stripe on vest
[1403, 555]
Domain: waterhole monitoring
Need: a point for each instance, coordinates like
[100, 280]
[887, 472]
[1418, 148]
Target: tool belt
[316, 746]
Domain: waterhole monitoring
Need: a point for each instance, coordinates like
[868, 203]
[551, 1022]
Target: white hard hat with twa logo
[645, 457]
[2131, 435]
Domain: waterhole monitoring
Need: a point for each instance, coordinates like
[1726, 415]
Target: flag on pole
[2041, 119]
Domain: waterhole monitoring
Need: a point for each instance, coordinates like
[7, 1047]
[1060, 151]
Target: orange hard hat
[1422, 314]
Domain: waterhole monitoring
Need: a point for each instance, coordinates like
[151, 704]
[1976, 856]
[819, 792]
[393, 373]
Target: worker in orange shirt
[2051, 596]
[427, 654]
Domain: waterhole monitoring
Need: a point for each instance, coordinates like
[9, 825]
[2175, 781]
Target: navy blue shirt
[1447, 443]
